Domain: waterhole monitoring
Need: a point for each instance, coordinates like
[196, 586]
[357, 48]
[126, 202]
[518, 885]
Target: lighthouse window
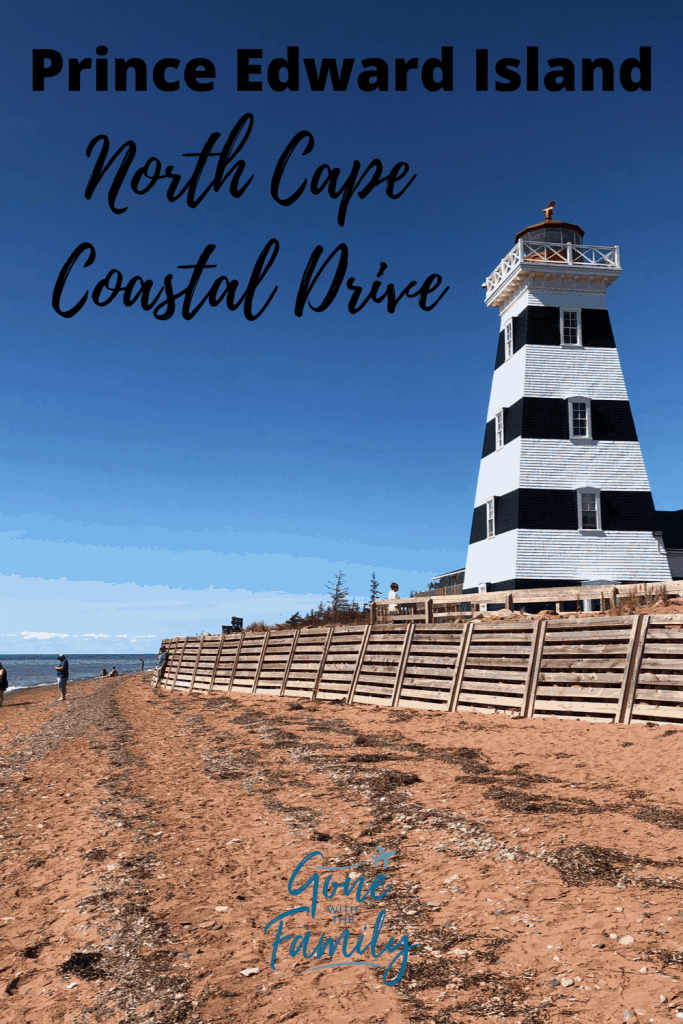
[579, 419]
[491, 517]
[589, 510]
[508, 339]
[500, 430]
[571, 327]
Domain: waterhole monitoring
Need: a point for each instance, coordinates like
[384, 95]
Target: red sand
[130, 817]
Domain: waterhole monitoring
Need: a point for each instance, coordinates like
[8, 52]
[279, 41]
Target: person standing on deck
[62, 675]
[3, 683]
[393, 597]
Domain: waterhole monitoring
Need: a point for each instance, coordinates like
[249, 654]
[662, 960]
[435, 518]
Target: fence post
[216, 663]
[459, 667]
[358, 667]
[429, 609]
[508, 602]
[234, 664]
[180, 663]
[402, 662]
[373, 614]
[261, 658]
[288, 666]
[323, 659]
[634, 656]
[533, 669]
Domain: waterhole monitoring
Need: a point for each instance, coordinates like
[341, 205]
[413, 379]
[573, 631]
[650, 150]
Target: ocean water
[38, 669]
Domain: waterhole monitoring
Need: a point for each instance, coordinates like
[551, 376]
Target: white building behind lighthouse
[563, 496]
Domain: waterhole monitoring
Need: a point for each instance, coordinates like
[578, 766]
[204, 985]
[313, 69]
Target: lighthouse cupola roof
[550, 230]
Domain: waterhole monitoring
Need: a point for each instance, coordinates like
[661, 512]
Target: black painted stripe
[540, 325]
[530, 508]
[548, 419]
[523, 584]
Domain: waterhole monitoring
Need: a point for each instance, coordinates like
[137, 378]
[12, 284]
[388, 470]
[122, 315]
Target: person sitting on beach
[113, 672]
[3, 683]
[104, 672]
[62, 675]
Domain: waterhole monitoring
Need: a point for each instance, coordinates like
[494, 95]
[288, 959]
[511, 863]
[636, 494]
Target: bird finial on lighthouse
[549, 210]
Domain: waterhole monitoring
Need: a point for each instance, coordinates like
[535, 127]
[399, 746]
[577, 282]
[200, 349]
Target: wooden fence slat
[533, 669]
[459, 668]
[233, 672]
[196, 666]
[323, 659]
[261, 659]
[633, 667]
[401, 667]
[359, 663]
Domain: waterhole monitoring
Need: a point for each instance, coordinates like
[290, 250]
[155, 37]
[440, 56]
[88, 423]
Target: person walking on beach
[142, 664]
[3, 683]
[62, 675]
[160, 666]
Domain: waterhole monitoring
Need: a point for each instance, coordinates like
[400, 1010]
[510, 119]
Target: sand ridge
[147, 840]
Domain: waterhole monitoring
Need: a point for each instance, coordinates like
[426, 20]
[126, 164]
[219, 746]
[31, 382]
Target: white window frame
[509, 341]
[499, 429]
[588, 436]
[595, 491]
[490, 518]
[579, 341]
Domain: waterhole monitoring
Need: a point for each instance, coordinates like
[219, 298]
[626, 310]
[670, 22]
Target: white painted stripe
[568, 554]
[492, 560]
[553, 295]
[508, 382]
[609, 465]
[549, 371]
[551, 465]
[555, 372]
[499, 472]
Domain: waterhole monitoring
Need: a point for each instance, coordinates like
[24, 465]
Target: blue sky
[160, 476]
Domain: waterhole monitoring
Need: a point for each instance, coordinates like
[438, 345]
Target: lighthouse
[563, 496]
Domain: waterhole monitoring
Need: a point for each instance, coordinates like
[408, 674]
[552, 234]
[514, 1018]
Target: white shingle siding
[609, 465]
[568, 554]
[555, 372]
[549, 371]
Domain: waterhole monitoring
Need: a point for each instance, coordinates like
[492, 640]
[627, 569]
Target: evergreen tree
[338, 593]
[374, 589]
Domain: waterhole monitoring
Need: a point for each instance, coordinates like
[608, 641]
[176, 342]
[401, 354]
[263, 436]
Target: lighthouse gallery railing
[567, 253]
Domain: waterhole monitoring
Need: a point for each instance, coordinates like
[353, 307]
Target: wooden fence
[625, 668]
[433, 607]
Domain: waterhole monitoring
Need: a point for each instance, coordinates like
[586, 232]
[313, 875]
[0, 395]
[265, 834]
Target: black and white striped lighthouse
[563, 496]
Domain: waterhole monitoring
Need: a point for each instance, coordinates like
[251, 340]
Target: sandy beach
[148, 839]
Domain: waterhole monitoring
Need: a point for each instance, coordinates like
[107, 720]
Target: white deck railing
[567, 253]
